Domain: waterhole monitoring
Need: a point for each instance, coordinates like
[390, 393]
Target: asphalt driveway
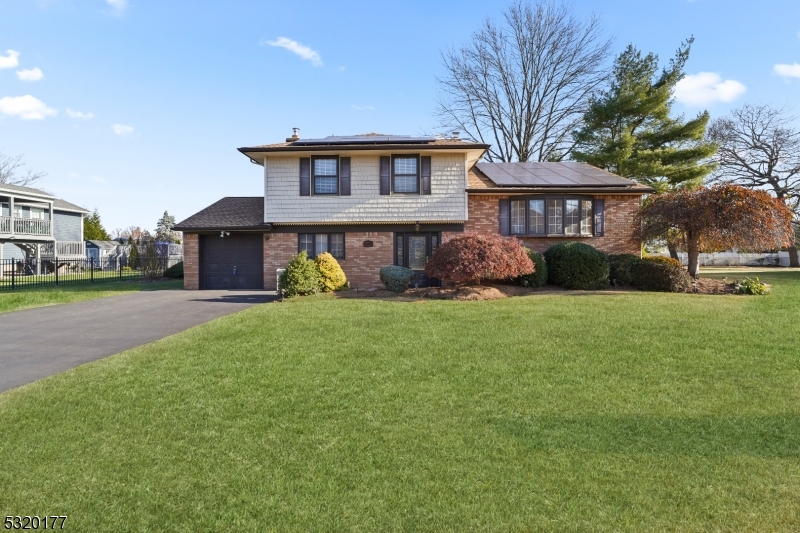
[36, 343]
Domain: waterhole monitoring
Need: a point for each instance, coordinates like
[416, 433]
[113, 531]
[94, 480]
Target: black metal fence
[18, 274]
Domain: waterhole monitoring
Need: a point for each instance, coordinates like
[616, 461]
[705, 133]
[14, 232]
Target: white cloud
[122, 130]
[34, 74]
[119, 5]
[79, 115]
[706, 88]
[363, 107]
[25, 107]
[296, 48]
[787, 71]
[10, 59]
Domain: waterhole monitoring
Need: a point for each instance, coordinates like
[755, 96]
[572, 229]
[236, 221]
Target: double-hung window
[405, 174]
[555, 216]
[317, 243]
[326, 175]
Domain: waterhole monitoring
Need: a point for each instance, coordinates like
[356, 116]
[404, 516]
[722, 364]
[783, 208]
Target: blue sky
[137, 106]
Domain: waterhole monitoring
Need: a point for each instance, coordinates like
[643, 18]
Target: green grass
[557, 412]
[38, 297]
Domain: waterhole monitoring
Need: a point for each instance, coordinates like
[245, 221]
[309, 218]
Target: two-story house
[376, 200]
[36, 225]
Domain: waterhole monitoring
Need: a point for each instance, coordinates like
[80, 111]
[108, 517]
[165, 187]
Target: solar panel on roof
[365, 139]
[547, 174]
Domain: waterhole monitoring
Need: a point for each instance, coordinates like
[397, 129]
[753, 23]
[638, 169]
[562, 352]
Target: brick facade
[620, 210]
[361, 264]
[191, 261]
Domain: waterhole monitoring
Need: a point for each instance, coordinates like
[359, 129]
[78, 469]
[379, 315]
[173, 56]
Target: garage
[235, 261]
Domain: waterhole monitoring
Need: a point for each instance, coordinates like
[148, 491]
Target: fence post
[55, 264]
[13, 274]
[119, 264]
[91, 269]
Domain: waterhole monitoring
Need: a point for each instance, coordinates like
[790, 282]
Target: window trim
[526, 203]
[418, 192]
[314, 176]
[328, 236]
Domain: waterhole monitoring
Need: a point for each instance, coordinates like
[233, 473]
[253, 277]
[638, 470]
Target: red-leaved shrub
[471, 258]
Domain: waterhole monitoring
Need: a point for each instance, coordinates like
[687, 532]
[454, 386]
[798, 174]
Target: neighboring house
[375, 200]
[103, 250]
[35, 224]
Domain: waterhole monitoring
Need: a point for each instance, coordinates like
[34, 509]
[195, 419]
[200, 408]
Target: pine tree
[164, 227]
[93, 229]
[628, 129]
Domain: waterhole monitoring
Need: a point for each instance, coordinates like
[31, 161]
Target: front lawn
[574, 411]
[41, 296]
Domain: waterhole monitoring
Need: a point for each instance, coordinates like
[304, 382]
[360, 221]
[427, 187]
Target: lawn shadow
[776, 436]
[254, 298]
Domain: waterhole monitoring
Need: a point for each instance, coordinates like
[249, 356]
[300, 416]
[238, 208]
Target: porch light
[416, 226]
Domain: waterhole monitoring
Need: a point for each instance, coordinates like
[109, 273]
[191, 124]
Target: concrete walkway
[36, 343]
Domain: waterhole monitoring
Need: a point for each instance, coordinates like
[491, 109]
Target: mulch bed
[499, 291]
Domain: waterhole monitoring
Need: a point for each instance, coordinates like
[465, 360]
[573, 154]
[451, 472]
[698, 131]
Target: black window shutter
[344, 176]
[305, 176]
[425, 168]
[385, 176]
[505, 228]
[599, 217]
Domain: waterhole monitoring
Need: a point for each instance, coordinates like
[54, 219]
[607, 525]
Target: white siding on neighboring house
[447, 201]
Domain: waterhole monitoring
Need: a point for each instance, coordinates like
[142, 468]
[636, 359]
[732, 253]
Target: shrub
[396, 278]
[664, 259]
[471, 258]
[621, 268]
[538, 278]
[575, 265]
[751, 286]
[300, 277]
[655, 274]
[331, 275]
[175, 271]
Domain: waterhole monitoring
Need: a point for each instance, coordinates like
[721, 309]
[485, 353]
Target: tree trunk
[673, 251]
[793, 259]
[693, 248]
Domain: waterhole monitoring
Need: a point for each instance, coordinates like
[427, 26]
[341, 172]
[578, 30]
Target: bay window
[550, 216]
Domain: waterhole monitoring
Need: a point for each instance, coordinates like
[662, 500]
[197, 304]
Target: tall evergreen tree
[93, 229]
[628, 129]
[164, 227]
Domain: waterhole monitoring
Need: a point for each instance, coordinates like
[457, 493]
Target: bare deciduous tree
[523, 86]
[12, 171]
[759, 147]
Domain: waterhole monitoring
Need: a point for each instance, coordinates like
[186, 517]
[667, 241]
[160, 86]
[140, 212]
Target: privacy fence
[18, 274]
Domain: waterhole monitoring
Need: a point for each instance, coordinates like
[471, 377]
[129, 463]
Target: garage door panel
[233, 262]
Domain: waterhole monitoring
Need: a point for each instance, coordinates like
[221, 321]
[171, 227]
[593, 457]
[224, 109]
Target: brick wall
[361, 265]
[484, 212]
[191, 261]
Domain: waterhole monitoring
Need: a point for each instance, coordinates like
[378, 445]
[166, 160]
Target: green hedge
[575, 265]
[621, 269]
[396, 278]
[539, 276]
[661, 274]
[300, 277]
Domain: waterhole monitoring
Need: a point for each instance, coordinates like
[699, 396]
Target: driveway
[37, 343]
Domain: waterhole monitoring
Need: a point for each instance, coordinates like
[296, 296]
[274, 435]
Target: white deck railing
[25, 226]
[64, 249]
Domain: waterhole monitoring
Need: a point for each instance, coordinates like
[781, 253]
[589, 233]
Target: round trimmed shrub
[396, 278]
[472, 257]
[661, 274]
[575, 265]
[621, 268]
[300, 277]
[331, 275]
[175, 271]
[538, 278]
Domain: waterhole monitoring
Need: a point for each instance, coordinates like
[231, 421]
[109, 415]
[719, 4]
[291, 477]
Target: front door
[412, 250]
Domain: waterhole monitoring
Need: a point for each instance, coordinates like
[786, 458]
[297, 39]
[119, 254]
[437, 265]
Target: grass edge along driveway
[570, 412]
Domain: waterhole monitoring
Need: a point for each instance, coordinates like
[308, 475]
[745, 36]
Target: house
[375, 200]
[102, 251]
[36, 225]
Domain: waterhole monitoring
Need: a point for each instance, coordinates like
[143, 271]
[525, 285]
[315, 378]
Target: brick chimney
[295, 135]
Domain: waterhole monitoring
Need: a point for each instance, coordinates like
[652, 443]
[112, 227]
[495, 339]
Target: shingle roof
[68, 206]
[548, 176]
[362, 145]
[232, 212]
[29, 190]
[105, 245]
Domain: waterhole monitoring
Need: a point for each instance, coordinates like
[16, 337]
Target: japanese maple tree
[472, 257]
[716, 218]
